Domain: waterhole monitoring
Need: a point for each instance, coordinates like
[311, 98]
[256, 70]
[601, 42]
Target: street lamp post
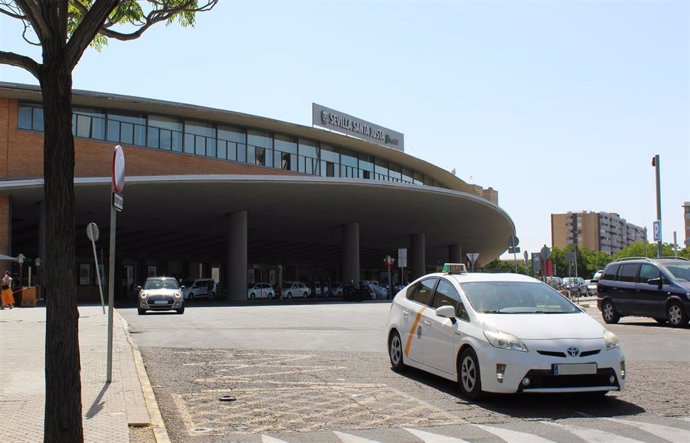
[20, 260]
[657, 165]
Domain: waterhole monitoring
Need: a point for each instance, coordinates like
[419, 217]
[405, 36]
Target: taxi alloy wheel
[676, 316]
[609, 312]
[395, 352]
[469, 375]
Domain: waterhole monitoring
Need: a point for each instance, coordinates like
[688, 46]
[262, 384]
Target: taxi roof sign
[454, 268]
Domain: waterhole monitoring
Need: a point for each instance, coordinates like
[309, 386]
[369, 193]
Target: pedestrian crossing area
[594, 430]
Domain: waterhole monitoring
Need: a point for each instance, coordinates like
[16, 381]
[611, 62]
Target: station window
[285, 149]
[260, 148]
[30, 117]
[381, 169]
[330, 159]
[88, 123]
[348, 164]
[164, 133]
[308, 156]
[126, 128]
[366, 167]
[232, 143]
[199, 138]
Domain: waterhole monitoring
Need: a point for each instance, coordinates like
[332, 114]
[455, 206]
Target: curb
[157, 423]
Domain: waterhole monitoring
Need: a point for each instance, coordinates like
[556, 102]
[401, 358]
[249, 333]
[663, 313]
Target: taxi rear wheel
[395, 351]
[469, 377]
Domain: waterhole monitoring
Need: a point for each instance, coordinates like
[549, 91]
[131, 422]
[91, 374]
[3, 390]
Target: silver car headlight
[502, 340]
[142, 294]
[611, 340]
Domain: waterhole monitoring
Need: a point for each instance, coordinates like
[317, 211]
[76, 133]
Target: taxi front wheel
[395, 352]
[469, 375]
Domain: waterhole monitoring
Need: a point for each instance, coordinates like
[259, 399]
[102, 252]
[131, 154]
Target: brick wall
[94, 158]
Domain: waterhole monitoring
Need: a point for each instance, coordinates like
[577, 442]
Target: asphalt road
[320, 373]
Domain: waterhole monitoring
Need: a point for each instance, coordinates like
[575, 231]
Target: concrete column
[417, 255]
[237, 256]
[455, 253]
[351, 252]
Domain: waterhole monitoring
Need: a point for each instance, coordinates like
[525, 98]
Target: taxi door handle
[427, 323]
[406, 313]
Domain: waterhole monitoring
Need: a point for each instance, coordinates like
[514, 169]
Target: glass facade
[235, 144]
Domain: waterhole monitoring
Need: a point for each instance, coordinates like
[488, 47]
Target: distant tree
[506, 266]
[590, 261]
[643, 249]
[64, 29]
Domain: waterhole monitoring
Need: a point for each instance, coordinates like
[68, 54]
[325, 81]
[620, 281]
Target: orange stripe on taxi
[414, 326]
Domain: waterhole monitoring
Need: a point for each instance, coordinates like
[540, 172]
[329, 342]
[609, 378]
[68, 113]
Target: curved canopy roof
[289, 217]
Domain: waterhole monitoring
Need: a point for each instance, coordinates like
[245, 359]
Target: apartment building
[686, 218]
[598, 231]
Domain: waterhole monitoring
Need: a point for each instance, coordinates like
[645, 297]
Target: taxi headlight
[177, 295]
[142, 294]
[502, 340]
[611, 340]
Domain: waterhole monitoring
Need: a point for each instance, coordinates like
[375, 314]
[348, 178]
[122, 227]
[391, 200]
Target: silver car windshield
[516, 298]
[167, 283]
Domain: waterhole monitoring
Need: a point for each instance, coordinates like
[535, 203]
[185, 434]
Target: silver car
[160, 294]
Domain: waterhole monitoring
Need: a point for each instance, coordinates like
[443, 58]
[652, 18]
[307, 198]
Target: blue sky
[560, 106]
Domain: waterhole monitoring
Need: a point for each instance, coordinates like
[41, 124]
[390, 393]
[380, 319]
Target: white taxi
[501, 333]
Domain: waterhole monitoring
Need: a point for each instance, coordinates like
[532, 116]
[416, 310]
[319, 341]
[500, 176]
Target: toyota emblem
[573, 351]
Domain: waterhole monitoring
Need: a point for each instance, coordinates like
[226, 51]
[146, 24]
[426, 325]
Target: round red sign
[118, 169]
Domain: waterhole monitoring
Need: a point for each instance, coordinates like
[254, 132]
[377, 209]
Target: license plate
[575, 369]
[160, 302]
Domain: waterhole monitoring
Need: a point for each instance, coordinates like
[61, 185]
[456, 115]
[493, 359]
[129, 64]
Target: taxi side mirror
[446, 311]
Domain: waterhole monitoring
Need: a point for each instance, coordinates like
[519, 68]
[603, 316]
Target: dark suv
[646, 287]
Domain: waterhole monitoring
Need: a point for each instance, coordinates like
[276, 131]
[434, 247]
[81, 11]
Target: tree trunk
[63, 409]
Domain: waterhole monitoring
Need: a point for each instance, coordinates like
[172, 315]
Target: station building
[240, 198]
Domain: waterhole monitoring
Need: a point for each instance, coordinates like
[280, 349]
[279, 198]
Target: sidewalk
[108, 409]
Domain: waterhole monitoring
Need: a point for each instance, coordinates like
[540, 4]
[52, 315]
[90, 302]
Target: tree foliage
[589, 261]
[64, 29]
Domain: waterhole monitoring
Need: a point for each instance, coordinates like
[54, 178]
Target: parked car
[555, 282]
[295, 289]
[260, 290]
[380, 292]
[501, 333]
[321, 289]
[354, 292]
[646, 287]
[160, 294]
[200, 288]
[576, 286]
[592, 283]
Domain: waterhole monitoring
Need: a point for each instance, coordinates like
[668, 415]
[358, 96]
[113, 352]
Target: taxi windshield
[516, 298]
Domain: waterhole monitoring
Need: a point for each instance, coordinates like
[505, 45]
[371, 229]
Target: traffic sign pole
[92, 234]
[118, 184]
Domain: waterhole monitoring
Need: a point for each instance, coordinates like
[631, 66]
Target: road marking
[412, 329]
[349, 438]
[513, 436]
[591, 435]
[665, 432]
[247, 377]
[428, 437]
